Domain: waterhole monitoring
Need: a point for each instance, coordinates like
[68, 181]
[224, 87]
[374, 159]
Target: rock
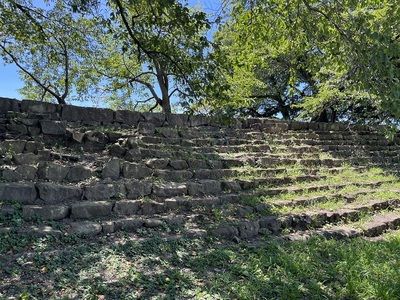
[134, 170]
[179, 164]
[26, 159]
[40, 231]
[117, 150]
[169, 189]
[151, 208]
[137, 189]
[18, 128]
[38, 107]
[86, 228]
[78, 136]
[204, 187]
[153, 223]
[53, 127]
[49, 212]
[90, 210]
[198, 121]
[33, 147]
[231, 186]
[52, 171]
[177, 120]
[24, 193]
[108, 227]
[271, 223]
[87, 114]
[11, 175]
[157, 163]
[248, 230]
[14, 146]
[128, 224]
[127, 207]
[181, 175]
[146, 128]
[112, 169]
[225, 231]
[78, 173]
[157, 119]
[52, 193]
[99, 192]
[133, 155]
[8, 104]
[127, 117]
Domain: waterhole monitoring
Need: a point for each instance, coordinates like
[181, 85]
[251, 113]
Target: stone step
[377, 225]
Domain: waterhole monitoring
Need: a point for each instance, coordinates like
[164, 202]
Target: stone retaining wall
[34, 117]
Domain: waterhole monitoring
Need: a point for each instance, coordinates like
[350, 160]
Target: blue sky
[9, 78]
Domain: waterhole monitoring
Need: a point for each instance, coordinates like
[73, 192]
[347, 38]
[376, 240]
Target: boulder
[52, 193]
[99, 192]
[49, 212]
[24, 193]
[91, 210]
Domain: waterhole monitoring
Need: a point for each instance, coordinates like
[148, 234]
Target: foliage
[350, 45]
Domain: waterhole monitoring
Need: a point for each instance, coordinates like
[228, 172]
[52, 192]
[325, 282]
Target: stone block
[271, 223]
[157, 163]
[178, 175]
[146, 128]
[127, 117]
[112, 169]
[204, 187]
[11, 175]
[177, 120]
[33, 147]
[99, 192]
[8, 104]
[27, 172]
[248, 230]
[90, 210]
[39, 107]
[135, 170]
[158, 119]
[108, 227]
[128, 224]
[78, 173]
[26, 159]
[86, 228]
[49, 212]
[198, 120]
[87, 114]
[24, 193]
[153, 223]
[52, 193]
[179, 164]
[52, 171]
[127, 207]
[225, 231]
[17, 128]
[14, 146]
[151, 208]
[137, 189]
[53, 127]
[169, 189]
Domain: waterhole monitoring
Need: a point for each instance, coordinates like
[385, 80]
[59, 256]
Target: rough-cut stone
[179, 175]
[11, 175]
[40, 231]
[86, 228]
[53, 127]
[52, 193]
[52, 171]
[157, 163]
[24, 193]
[179, 164]
[137, 189]
[38, 107]
[14, 146]
[96, 137]
[151, 208]
[133, 155]
[248, 230]
[128, 224]
[146, 128]
[177, 120]
[158, 119]
[49, 212]
[117, 150]
[134, 170]
[169, 189]
[87, 114]
[26, 159]
[198, 121]
[18, 128]
[112, 169]
[90, 210]
[271, 223]
[127, 207]
[226, 231]
[8, 104]
[153, 223]
[231, 186]
[78, 136]
[108, 227]
[127, 117]
[204, 187]
[99, 192]
[78, 173]
[33, 147]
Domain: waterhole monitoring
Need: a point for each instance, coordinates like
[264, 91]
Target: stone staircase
[67, 169]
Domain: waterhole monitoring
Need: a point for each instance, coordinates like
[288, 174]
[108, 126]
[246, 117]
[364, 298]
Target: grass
[118, 267]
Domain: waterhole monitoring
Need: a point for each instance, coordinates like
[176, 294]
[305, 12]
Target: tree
[352, 42]
[47, 45]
